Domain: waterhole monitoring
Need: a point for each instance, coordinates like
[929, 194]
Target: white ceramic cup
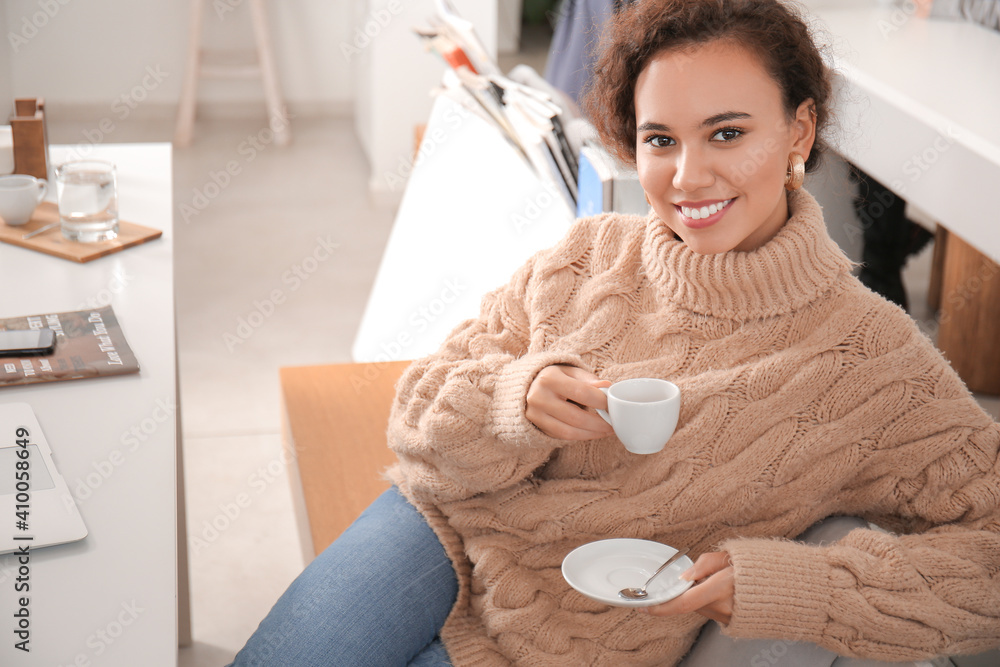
[20, 195]
[643, 412]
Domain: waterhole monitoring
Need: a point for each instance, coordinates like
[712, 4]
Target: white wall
[828, 4]
[6, 89]
[84, 55]
[6, 100]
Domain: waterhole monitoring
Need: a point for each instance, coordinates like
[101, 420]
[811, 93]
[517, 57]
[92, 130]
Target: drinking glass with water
[88, 200]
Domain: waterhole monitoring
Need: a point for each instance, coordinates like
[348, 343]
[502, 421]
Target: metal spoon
[640, 593]
[40, 230]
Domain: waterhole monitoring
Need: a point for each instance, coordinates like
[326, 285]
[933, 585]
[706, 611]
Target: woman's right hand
[561, 403]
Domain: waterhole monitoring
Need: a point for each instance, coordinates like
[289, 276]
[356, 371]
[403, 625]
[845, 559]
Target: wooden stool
[334, 425]
[263, 68]
[969, 299]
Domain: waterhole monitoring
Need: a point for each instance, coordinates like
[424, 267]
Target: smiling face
[712, 146]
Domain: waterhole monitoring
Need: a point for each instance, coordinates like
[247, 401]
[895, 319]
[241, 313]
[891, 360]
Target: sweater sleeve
[458, 423]
[932, 590]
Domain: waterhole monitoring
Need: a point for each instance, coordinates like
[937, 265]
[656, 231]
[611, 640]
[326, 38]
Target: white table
[473, 212]
[917, 108]
[110, 599]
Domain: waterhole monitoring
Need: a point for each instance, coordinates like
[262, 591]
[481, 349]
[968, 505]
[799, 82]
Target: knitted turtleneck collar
[798, 265]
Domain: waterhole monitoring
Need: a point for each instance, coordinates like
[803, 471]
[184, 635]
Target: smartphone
[20, 343]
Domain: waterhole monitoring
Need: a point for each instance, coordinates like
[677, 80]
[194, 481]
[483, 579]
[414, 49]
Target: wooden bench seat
[335, 418]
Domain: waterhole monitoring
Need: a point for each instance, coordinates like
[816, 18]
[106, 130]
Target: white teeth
[704, 211]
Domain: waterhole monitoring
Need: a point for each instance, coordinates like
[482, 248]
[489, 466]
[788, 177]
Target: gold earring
[796, 172]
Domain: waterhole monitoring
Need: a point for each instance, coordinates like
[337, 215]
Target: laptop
[33, 511]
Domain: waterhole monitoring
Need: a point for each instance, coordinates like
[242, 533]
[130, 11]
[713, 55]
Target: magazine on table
[89, 343]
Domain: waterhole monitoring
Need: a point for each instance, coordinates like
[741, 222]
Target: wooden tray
[53, 243]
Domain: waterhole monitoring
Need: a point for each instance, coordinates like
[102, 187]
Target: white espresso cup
[643, 412]
[20, 195]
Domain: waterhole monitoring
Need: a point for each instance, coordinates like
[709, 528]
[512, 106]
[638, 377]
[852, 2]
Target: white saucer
[600, 569]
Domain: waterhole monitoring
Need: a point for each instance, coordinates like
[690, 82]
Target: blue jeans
[377, 596]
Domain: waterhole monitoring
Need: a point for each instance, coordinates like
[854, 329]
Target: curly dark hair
[775, 31]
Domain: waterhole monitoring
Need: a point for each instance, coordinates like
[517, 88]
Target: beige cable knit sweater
[803, 395]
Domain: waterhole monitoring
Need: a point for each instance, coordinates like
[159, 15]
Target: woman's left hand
[713, 592]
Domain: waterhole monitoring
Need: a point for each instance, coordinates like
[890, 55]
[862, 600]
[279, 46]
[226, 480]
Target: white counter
[110, 599]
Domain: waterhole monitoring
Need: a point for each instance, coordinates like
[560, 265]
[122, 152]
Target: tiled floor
[273, 271]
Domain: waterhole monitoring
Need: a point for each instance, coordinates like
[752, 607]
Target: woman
[804, 396]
